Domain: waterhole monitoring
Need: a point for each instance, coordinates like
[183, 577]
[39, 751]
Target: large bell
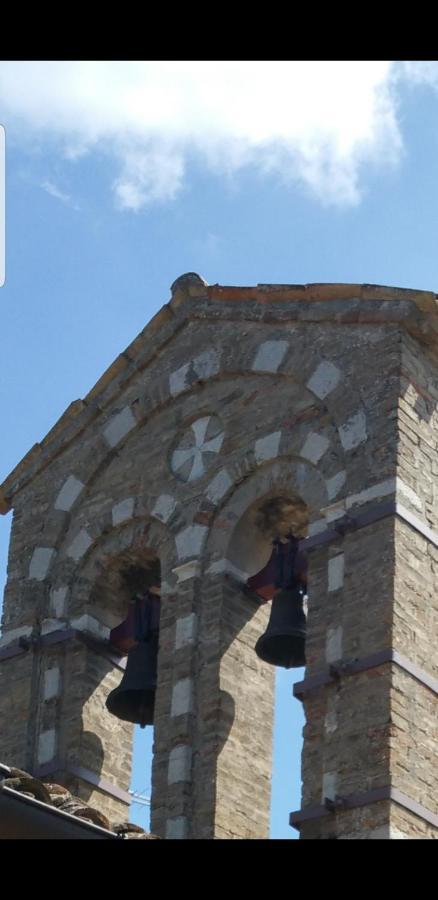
[133, 700]
[283, 642]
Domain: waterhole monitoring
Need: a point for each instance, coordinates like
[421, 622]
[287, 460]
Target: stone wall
[231, 398]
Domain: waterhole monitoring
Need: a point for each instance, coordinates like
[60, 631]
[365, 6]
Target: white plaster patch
[189, 542]
[187, 570]
[329, 780]
[324, 379]
[335, 484]
[185, 631]
[69, 493]
[269, 356]
[406, 493]
[52, 682]
[182, 697]
[119, 426]
[79, 545]
[164, 507]
[267, 447]
[314, 447]
[58, 598]
[177, 828]
[336, 572]
[333, 644]
[219, 486]
[46, 746]
[180, 764]
[9, 637]
[40, 562]
[354, 431]
[123, 510]
[91, 625]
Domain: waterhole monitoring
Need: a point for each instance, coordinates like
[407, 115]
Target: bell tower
[238, 416]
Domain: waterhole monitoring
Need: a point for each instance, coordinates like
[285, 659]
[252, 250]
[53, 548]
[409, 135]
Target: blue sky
[122, 176]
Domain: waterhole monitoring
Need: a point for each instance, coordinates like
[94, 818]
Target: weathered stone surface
[327, 401]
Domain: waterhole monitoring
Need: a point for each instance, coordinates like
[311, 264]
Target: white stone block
[177, 380]
[185, 631]
[331, 716]
[354, 431]
[324, 379]
[269, 356]
[189, 542]
[317, 526]
[79, 545]
[69, 493]
[177, 828]
[204, 366]
[314, 447]
[336, 572]
[10, 637]
[220, 566]
[91, 625]
[164, 507]
[219, 486]
[329, 780]
[123, 510]
[335, 484]
[182, 697]
[119, 426]
[52, 682]
[46, 746]
[58, 598]
[267, 447]
[40, 562]
[180, 764]
[187, 570]
[207, 363]
[382, 489]
[333, 646]
[50, 625]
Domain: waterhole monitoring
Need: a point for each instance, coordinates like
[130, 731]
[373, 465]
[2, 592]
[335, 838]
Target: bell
[133, 700]
[283, 642]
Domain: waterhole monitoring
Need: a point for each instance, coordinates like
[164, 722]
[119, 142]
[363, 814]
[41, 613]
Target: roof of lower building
[30, 808]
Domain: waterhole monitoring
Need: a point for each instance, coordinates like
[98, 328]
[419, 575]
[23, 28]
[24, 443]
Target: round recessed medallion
[196, 448]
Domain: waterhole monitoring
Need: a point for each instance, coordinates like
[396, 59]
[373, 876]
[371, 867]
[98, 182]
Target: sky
[122, 176]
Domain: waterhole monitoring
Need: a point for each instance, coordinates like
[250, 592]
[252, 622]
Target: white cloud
[318, 123]
[54, 191]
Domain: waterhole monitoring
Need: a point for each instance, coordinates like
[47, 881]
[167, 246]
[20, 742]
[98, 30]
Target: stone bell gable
[238, 414]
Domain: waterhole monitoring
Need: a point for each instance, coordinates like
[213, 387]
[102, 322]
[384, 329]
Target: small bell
[283, 642]
[283, 580]
[134, 699]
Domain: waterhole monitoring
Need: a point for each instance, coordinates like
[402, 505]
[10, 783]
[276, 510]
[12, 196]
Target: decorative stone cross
[197, 447]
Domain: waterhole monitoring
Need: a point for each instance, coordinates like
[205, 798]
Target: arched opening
[273, 517]
[128, 590]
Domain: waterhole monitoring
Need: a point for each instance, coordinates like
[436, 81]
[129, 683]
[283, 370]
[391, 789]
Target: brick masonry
[324, 398]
